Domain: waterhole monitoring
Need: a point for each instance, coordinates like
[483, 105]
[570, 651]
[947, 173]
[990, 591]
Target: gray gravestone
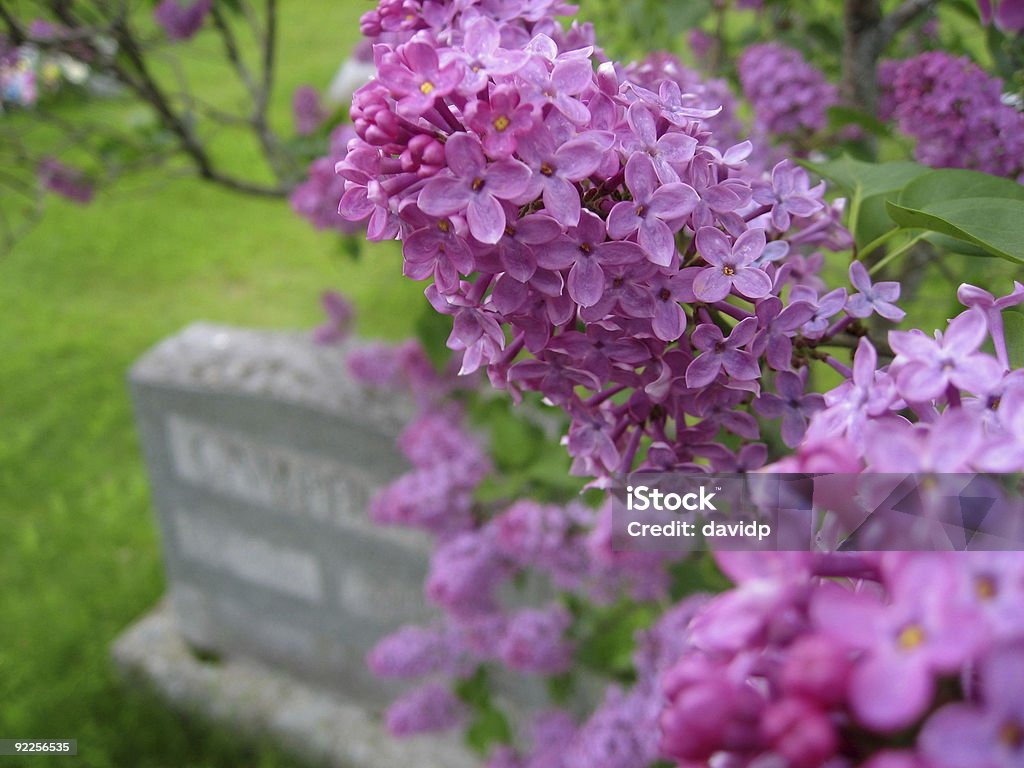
[263, 454]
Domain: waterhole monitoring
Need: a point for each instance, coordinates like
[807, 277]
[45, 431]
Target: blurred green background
[81, 297]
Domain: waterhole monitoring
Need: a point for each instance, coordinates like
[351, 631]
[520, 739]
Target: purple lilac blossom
[307, 111]
[789, 96]
[424, 710]
[873, 297]
[554, 191]
[340, 316]
[759, 675]
[179, 21]
[316, 199]
[956, 113]
[1008, 14]
[70, 183]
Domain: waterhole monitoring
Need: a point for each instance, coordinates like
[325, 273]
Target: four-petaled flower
[585, 248]
[791, 404]
[789, 194]
[731, 265]
[671, 149]
[420, 80]
[475, 187]
[904, 645]
[556, 169]
[656, 210]
[990, 733]
[873, 297]
[720, 353]
[500, 121]
[928, 366]
[972, 296]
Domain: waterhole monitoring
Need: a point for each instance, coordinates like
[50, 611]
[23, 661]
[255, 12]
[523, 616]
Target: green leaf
[873, 220]
[698, 573]
[490, 726]
[956, 184]
[992, 223]
[561, 688]
[608, 636]
[475, 690]
[952, 245]
[860, 179]
[839, 117]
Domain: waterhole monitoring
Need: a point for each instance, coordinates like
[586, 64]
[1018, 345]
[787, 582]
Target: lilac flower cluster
[956, 113]
[479, 553]
[181, 22]
[968, 403]
[316, 199]
[585, 232]
[595, 241]
[789, 96]
[70, 183]
[812, 657]
[1007, 14]
[622, 732]
[817, 660]
[307, 111]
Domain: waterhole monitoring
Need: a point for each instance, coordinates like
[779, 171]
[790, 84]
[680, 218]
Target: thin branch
[905, 15]
[17, 33]
[861, 48]
[258, 92]
[232, 52]
[134, 72]
[269, 49]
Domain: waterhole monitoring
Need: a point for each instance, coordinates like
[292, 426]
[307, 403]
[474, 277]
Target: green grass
[81, 297]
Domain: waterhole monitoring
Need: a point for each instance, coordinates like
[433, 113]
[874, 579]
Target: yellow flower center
[443, 225]
[911, 637]
[1011, 734]
[728, 271]
[985, 587]
[501, 123]
[427, 88]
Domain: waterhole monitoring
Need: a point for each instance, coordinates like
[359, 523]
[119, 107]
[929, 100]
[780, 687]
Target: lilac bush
[789, 96]
[1007, 14]
[70, 183]
[956, 112]
[181, 21]
[606, 201]
[604, 242]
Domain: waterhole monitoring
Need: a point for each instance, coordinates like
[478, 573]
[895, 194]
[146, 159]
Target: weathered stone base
[313, 723]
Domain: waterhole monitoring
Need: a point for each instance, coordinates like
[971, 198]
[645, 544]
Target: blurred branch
[258, 92]
[862, 46]
[867, 33]
[904, 16]
[15, 31]
[129, 66]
